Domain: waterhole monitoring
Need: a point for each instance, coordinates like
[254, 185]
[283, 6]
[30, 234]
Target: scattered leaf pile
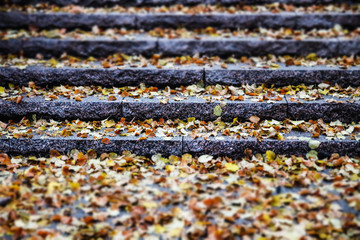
[121, 60]
[168, 129]
[182, 33]
[255, 93]
[98, 196]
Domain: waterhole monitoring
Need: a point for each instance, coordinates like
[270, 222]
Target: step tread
[292, 144]
[341, 107]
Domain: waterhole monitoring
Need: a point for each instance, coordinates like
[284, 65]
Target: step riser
[101, 77]
[151, 21]
[178, 146]
[43, 146]
[176, 47]
[172, 2]
[43, 76]
[148, 108]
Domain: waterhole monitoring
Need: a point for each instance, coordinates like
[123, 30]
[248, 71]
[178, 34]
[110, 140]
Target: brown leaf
[254, 119]
[4, 159]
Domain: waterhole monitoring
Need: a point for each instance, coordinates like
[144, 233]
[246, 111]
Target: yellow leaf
[53, 62]
[74, 185]
[217, 111]
[192, 119]
[231, 167]
[311, 56]
[2, 89]
[150, 204]
[169, 168]
[52, 186]
[173, 159]
[274, 66]
[270, 155]
[159, 229]
[109, 123]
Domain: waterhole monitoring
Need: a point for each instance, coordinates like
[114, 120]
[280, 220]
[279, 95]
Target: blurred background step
[293, 20]
[171, 2]
[210, 46]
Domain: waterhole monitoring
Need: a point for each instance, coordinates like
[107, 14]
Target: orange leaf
[105, 141]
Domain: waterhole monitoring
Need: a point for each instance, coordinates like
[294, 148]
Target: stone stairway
[179, 119]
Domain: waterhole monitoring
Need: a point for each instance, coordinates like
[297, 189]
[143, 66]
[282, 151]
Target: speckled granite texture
[292, 75]
[200, 109]
[100, 47]
[88, 109]
[151, 76]
[236, 148]
[340, 109]
[224, 47]
[238, 47]
[235, 74]
[248, 21]
[150, 21]
[178, 146]
[65, 20]
[41, 146]
[171, 2]
[144, 108]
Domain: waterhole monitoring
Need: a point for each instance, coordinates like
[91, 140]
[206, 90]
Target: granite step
[211, 46]
[171, 2]
[177, 75]
[204, 107]
[294, 143]
[148, 21]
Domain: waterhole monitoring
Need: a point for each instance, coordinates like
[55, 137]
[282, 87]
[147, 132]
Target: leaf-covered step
[164, 73]
[147, 45]
[294, 20]
[296, 143]
[171, 2]
[299, 143]
[271, 105]
[93, 108]
[39, 145]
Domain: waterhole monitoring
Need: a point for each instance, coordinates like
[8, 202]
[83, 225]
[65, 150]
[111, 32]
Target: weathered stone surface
[66, 20]
[255, 47]
[171, 2]
[237, 74]
[171, 20]
[99, 47]
[344, 110]
[89, 108]
[201, 109]
[177, 146]
[151, 76]
[42, 146]
[236, 148]
[248, 21]
[147, 46]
